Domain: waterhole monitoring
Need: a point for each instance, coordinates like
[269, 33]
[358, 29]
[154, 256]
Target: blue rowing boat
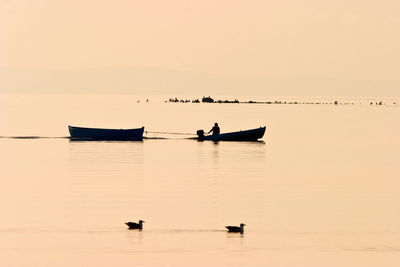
[248, 135]
[81, 133]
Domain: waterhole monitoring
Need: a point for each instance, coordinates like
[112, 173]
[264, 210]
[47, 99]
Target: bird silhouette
[236, 229]
[133, 225]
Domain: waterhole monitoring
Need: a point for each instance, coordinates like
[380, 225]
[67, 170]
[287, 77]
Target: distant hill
[162, 81]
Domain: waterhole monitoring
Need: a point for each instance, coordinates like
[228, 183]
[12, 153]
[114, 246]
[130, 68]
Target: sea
[322, 187]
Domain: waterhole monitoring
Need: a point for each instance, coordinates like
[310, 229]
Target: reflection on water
[188, 179]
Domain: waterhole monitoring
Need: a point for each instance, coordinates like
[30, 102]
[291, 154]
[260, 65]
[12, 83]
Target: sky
[345, 48]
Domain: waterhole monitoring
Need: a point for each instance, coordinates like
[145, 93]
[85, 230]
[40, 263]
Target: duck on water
[236, 229]
[231, 229]
[133, 225]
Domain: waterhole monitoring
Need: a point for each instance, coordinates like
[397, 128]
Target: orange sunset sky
[301, 48]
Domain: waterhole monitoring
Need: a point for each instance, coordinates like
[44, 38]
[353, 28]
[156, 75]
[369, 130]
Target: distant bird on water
[133, 225]
[236, 229]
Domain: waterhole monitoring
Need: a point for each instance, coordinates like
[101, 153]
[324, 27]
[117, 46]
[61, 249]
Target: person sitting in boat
[215, 129]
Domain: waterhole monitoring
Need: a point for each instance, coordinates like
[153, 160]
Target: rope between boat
[168, 133]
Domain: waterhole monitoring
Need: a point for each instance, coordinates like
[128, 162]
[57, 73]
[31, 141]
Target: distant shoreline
[210, 100]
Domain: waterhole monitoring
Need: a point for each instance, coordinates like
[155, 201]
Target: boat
[248, 135]
[82, 133]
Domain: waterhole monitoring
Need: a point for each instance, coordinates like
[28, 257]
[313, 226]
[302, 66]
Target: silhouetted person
[215, 129]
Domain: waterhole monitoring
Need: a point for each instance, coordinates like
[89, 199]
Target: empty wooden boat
[82, 133]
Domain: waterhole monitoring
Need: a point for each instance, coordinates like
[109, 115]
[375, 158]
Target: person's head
[216, 124]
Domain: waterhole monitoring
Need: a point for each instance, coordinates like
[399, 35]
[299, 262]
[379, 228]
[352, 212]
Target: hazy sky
[352, 41]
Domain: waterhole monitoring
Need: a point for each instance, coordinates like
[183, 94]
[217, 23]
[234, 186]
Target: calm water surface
[322, 189]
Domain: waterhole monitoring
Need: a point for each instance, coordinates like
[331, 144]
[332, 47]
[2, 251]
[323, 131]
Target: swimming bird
[236, 229]
[133, 225]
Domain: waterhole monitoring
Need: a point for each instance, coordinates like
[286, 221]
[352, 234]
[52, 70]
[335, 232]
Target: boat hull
[82, 133]
[248, 135]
